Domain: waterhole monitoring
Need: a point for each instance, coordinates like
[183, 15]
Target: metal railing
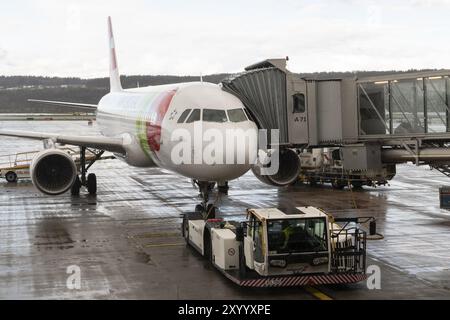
[348, 250]
[23, 159]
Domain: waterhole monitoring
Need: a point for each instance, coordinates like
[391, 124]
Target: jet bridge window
[214, 115]
[184, 115]
[237, 115]
[374, 113]
[437, 102]
[299, 103]
[403, 106]
[407, 106]
[195, 116]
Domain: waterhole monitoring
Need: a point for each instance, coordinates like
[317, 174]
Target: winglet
[114, 76]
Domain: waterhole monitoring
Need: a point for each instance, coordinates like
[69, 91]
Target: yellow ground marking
[318, 294]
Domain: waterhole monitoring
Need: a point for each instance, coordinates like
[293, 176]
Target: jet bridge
[386, 119]
[306, 111]
[411, 104]
[262, 88]
[339, 111]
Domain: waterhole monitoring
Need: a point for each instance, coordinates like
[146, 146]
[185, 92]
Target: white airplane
[137, 125]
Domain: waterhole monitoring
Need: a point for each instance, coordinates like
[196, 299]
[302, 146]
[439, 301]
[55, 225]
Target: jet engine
[287, 173]
[53, 171]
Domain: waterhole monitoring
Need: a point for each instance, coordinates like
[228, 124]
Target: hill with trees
[15, 90]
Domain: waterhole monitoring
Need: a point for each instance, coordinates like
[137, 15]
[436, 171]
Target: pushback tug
[281, 248]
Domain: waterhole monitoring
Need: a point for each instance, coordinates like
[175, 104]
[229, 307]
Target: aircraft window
[249, 116]
[237, 115]
[299, 103]
[195, 116]
[184, 115]
[211, 115]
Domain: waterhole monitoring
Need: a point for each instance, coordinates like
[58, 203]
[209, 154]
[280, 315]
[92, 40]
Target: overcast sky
[68, 38]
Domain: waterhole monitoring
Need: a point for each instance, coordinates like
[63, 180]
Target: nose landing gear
[207, 210]
[223, 187]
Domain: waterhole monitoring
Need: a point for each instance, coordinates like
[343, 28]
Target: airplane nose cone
[227, 153]
[241, 144]
[220, 172]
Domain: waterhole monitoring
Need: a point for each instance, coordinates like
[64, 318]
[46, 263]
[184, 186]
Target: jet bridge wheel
[312, 181]
[92, 183]
[357, 184]
[11, 176]
[338, 184]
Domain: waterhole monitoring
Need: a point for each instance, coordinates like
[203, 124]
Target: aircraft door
[297, 113]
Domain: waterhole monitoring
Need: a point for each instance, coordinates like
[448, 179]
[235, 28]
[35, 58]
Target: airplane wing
[88, 106]
[97, 142]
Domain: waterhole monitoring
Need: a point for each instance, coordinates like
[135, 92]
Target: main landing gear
[89, 181]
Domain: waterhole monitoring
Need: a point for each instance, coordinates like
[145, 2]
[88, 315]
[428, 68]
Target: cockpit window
[195, 116]
[237, 115]
[249, 116]
[184, 115]
[212, 115]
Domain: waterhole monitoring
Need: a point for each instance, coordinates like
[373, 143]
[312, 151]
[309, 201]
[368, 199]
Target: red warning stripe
[293, 281]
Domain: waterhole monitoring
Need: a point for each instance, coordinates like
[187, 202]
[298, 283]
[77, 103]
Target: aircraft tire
[75, 189]
[11, 176]
[92, 184]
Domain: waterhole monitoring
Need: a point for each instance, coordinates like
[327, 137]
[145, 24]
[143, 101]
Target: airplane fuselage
[152, 121]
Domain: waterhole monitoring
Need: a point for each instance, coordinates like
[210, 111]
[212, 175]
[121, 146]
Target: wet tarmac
[127, 243]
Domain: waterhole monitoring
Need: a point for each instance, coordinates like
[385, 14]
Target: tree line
[15, 90]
